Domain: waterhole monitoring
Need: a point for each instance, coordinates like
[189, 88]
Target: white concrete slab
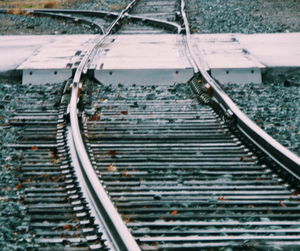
[273, 50]
[143, 59]
[151, 59]
[241, 58]
[55, 60]
[227, 60]
[14, 50]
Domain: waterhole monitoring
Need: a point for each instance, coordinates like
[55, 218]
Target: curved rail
[152, 21]
[68, 16]
[118, 231]
[281, 155]
[174, 27]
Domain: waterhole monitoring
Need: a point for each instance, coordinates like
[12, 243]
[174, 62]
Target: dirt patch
[29, 25]
[18, 22]
[37, 3]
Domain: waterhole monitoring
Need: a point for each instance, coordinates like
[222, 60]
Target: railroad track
[101, 20]
[152, 167]
[164, 10]
[159, 10]
[180, 178]
[58, 212]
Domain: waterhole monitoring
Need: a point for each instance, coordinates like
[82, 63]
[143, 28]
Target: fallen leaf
[221, 198]
[56, 178]
[127, 220]
[296, 192]
[80, 91]
[7, 188]
[175, 212]
[282, 204]
[17, 169]
[75, 234]
[125, 174]
[17, 11]
[55, 161]
[53, 153]
[68, 226]
[19, 186]
[112, 168]
[34, 148]
[102, 100]
[61, 125]
[5, 166]
[112, 152]
[124, 112]
[4, 199]
[209, 89]
[95, 117]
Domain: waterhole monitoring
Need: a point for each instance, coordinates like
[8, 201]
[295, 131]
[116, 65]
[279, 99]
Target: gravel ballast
[274, 107]
[250, 16]
[29, 25]
[108, 5]
[14, 222]
[38, 25]
[214, 16]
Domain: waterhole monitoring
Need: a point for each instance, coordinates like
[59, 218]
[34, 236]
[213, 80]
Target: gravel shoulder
[214, 16]
[14, 222]
[250, 16]
[29, 25]
[274, 107]
[14, 233]
[109, 5]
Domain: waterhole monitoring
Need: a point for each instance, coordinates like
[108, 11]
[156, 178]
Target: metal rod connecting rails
[152, 21]
[59, 13]
[281, 155]
[68, 16]
[119, 233]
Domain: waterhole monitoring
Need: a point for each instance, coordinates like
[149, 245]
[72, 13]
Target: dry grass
[23, 4]
[35, 4]
[51, 4]
[115, 7]
[17, 11]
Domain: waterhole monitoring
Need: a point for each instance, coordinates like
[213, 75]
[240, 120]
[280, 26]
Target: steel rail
[119, 233]
[174, 27]
[67, 16]
[280, 154]
[152, 21]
